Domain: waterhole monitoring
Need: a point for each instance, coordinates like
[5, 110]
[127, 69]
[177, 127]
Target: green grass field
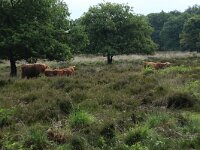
[120, 106]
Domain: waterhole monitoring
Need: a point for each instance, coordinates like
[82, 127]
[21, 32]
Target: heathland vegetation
[115, 105]
[118, 106]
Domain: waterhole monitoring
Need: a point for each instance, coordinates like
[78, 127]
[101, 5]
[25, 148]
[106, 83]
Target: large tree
[190, 37]
[33, 28]
[114, 29]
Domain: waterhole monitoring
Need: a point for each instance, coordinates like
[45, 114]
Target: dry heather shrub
[56, 135]
[180, 100]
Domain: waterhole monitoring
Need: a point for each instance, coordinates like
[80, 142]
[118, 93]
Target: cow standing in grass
[156, 65]
[33, 70]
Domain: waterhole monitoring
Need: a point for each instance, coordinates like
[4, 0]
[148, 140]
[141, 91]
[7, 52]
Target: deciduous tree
[114, 29]
[33, 28]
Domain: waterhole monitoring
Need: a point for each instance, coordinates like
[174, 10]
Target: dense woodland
[43, 29]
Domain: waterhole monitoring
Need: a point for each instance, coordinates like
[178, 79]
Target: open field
[120, 106]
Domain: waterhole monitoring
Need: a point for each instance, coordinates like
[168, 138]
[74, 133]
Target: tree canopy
[170, 32]
[190, 37]
[114, 29]
[174, 30]
[30, 28]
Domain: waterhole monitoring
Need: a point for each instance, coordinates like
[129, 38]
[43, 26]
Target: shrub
[80, 119]
[156, 120]
[78, 95]
[193, 87]
[147, 71]
[121, 84]
[138, 146]
[5, 82]
[78, 143]
[28, 98]
[108, 131]
[6, 116]
[136, 135]
[65, 106]
[180, 100]
[36, 139]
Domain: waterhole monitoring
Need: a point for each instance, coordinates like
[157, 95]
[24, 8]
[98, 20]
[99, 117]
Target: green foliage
[193, 10]
[36, 139]
[138, 146]
[80, 119]
[160, 119]
[190, 38]
[78, 39]
[113, 29]
[193, 87]
[176, 30]
[6, 116]
[175, 69]
[169, 34]
[136, 135]
[148, 70]
[157, 21]
[32, 28]
[78, 143]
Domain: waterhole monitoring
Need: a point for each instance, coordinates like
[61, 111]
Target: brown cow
[156, 65]
[72, 68]
[67, 71]
[54, 72]
[58, 72]
[49, 73]
[32, 70]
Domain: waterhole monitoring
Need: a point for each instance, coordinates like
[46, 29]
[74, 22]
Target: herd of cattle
[33, 70]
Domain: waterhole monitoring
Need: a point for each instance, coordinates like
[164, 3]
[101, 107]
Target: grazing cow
[72, 68]
[58, 72]
[54, 72]
[156, 65]
[67, 71]
[32, 70]
[49, 72]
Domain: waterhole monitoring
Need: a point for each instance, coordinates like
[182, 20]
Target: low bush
[180, 100]
[136, 135]
[108, 131]
[36, 139]
[80, 120]
[78, 143]
[6, 116]
[65, 106]
[147, 71]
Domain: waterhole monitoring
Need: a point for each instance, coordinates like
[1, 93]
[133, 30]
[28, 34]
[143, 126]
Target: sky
[78, 7]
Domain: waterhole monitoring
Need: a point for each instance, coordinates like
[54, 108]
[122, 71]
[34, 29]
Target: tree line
[43, 29]
[176, 30]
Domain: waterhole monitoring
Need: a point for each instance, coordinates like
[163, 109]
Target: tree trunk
[13, 68]
[109, 59]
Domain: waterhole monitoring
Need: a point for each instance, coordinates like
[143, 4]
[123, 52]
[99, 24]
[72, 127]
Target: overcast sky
[78, 7]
